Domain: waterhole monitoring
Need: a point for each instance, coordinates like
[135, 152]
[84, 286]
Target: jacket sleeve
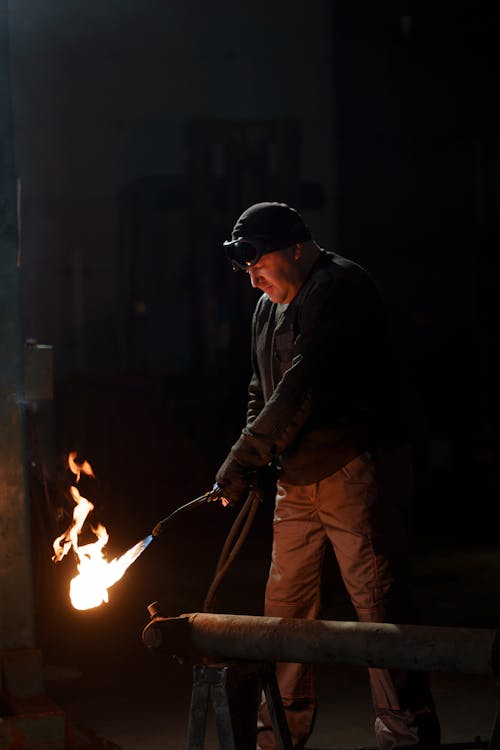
[255, 391]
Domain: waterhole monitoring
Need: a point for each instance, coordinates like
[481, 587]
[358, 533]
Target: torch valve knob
[154, 609]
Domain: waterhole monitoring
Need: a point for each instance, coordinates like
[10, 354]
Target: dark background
[142, 130]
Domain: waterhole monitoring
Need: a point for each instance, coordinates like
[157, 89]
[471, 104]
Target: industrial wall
[103, 94]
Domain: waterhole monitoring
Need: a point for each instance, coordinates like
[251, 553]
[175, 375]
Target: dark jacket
[321, 390]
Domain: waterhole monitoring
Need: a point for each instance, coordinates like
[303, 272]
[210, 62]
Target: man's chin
[273, 295]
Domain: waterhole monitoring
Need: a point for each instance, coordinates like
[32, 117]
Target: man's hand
[216, 495]
[234, 481]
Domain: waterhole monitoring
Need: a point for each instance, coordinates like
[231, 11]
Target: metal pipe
[412, 647]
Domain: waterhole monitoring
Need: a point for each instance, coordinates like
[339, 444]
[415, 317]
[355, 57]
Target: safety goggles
[245, 253]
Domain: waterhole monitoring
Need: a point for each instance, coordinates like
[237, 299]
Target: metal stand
[234, 691]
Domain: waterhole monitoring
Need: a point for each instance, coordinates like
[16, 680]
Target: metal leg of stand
[210, 685]
[233, 691]
[223, 718]
[276, 712]
[198, 714]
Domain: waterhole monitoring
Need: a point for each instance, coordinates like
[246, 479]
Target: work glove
[233, 481]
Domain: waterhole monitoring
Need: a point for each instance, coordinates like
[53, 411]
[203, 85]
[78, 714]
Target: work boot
[402, 730]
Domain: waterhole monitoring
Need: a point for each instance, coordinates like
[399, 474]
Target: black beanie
[274, 225]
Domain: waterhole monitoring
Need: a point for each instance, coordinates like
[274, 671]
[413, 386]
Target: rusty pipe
[413, 647]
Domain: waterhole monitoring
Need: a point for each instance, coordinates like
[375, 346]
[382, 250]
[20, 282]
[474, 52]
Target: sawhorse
[234, 691]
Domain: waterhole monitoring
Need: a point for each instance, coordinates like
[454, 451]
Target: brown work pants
[348, 509]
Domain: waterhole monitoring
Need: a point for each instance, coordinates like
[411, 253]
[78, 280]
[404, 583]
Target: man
[322, 408]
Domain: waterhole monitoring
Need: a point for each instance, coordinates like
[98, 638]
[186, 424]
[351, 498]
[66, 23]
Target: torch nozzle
[160, 526]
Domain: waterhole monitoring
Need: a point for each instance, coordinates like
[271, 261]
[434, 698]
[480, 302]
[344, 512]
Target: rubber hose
[245, 518]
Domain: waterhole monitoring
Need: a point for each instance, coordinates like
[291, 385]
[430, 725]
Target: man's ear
[297, 251]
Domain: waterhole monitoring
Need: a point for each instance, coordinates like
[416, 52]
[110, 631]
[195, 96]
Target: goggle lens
[242, 254]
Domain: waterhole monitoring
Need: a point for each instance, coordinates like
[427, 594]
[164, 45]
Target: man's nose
[254, 277]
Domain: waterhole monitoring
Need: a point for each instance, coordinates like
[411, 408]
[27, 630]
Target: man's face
[278, 275]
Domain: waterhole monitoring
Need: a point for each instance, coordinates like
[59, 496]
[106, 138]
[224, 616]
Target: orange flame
[95, 574]
[78, 469]
[63, 543]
